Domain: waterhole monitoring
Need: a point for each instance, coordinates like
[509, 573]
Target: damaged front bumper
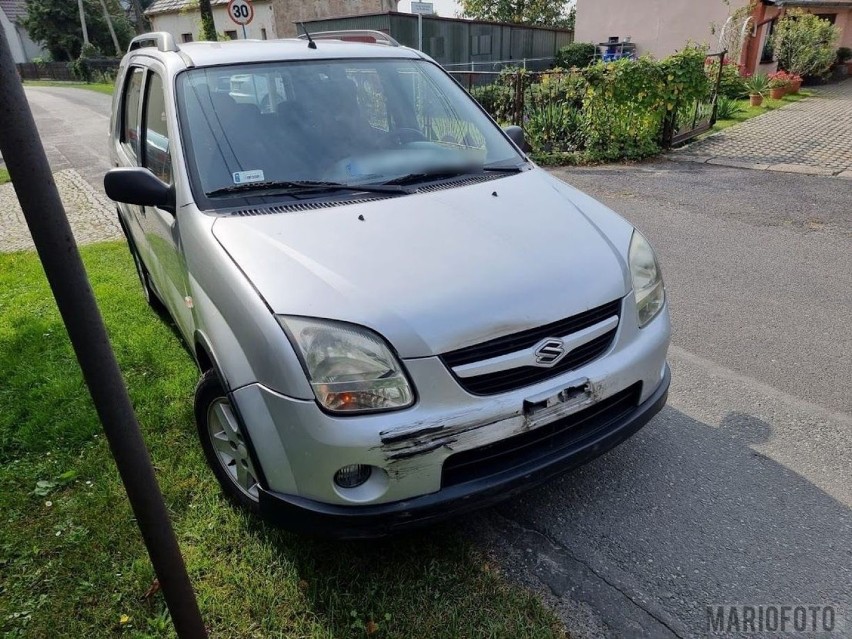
[341, 521]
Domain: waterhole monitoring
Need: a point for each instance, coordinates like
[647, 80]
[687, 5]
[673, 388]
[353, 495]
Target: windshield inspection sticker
[246, 177]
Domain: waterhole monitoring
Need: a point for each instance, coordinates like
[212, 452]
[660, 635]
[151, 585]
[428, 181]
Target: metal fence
[63, 70]
[690, 120]
[685, 122]
[530, 64]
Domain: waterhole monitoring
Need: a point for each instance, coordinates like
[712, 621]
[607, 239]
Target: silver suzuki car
[396, 314]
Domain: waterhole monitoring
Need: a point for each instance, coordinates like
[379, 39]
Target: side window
[156, 156]
[130, 112]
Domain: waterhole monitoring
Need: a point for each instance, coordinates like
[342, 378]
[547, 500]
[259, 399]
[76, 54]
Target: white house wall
[190, 22]
[658, 27]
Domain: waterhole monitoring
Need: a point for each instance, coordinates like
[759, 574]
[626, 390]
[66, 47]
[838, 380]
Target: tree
[805, 43]
[547, 13]
[56, 25]
[208, 29]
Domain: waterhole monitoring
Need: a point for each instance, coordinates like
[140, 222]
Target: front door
[161, 227]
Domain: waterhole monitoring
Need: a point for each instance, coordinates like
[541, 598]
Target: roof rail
[160, 39]
[355, 35]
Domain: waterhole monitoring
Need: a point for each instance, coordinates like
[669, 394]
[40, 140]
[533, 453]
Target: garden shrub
[553, 115]
[804, 43]
[727, 108]
[607, 111]
[497, 99]
[576, 55]
[733, 82]
[81, 67]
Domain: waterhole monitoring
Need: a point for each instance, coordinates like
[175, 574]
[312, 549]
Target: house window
[232, 35]
[186, 37]
[263, 33]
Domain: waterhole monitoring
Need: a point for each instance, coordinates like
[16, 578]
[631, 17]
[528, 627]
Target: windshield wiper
[503, 169]
[294, 187]
[414, 178]
[442, 174]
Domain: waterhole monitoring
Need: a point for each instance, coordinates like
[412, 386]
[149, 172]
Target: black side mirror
[516, 134]
[136, 185]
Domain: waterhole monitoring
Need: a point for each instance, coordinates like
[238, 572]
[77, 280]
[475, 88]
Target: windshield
[251, 128]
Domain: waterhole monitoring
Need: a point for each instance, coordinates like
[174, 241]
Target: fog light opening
[353, 476]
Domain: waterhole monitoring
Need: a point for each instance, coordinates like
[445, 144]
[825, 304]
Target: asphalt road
[73, 125]
[740, 491]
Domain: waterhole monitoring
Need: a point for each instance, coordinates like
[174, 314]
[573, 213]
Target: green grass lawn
[72, 563]
[747, 112]
[4, 176]
[100, 87]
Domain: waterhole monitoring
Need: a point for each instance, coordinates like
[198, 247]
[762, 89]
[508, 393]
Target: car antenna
[311, 43]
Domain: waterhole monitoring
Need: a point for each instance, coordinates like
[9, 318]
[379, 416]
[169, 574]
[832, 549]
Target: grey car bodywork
[457, 266]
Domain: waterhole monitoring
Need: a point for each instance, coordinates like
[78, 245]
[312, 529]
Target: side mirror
[516, 134]
[136, 185]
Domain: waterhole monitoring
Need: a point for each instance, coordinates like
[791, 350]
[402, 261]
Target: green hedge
[608, 111]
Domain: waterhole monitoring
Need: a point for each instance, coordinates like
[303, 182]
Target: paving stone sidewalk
[91, 214]
[813, 136]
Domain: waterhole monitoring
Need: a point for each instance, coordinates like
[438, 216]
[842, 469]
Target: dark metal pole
[24, 155]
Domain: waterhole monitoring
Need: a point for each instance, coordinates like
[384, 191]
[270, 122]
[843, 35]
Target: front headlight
[648, 284]
[350, 368]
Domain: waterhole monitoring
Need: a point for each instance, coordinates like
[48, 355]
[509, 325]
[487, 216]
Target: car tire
[224, 445]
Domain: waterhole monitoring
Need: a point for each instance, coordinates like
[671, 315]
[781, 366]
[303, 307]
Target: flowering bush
[780, 80]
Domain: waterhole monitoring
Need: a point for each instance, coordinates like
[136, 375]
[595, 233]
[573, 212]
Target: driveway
[813, 136]
[73, 126]
[740, 491]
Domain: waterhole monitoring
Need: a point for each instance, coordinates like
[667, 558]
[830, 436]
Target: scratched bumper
[352, 522]
[299, 448]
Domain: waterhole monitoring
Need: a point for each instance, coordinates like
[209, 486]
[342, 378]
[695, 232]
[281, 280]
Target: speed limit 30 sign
[241, 11]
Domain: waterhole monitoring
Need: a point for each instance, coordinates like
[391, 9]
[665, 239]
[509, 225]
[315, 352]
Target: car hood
[437, 271]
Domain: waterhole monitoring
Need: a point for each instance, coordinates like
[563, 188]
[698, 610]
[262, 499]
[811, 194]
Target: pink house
[661, 27]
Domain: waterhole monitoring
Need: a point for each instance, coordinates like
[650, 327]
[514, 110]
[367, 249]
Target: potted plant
[779, 82]
[757, 86]
[795, 82]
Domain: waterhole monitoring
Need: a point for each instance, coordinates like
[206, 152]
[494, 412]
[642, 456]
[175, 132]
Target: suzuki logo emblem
[550, 352]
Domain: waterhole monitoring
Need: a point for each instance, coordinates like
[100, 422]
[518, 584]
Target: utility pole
[111, 30]
[83, 22]
[208, 27]
[39, 199]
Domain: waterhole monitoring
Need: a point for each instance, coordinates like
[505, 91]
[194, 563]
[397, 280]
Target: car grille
[554, 439]
[511, 379]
